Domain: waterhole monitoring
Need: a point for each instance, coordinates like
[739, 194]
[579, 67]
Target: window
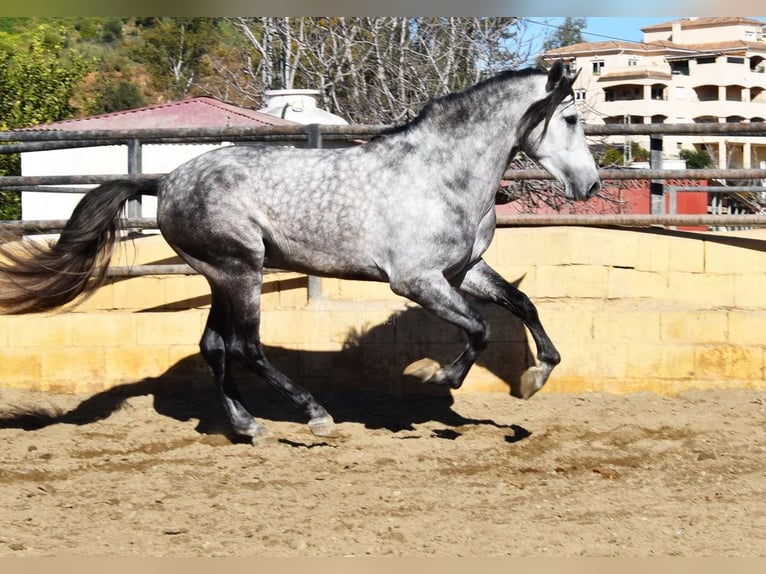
[598, 67]
[706, 60]
[734, 60]
[680, 67]
[579, 94]
[632, 62]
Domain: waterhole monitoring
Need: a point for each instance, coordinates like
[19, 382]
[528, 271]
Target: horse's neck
[482, 141]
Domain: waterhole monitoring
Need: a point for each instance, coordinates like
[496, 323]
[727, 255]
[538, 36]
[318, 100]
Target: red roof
[192, 113]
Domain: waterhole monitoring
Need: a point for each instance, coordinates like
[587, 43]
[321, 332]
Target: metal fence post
[656, 191]
[673, 198]
[134, 168]
[314, 137]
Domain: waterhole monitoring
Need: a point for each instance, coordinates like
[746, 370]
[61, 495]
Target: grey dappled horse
[414, 207]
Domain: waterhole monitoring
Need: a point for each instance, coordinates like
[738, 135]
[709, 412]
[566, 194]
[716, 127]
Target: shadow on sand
[360, 383]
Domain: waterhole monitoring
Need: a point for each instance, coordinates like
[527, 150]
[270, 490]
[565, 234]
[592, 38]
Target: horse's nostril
[594, 189]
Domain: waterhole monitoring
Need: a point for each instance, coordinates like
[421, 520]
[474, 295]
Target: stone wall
[629, 310]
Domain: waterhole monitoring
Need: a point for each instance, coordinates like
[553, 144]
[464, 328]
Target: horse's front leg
[486, 284]
[434, 293]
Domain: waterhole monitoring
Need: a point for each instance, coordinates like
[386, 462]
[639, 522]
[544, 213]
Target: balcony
[624, 92]
[707, 93]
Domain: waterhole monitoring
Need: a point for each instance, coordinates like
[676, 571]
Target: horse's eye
[571, 120]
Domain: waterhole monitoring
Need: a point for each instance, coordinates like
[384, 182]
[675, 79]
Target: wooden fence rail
[344, 132]
[39, 140]
[511, 174]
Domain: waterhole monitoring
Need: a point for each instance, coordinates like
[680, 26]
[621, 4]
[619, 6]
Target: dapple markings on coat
[414, 207]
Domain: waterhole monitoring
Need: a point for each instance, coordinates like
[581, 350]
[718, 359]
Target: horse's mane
[543, 110]
[458, 107]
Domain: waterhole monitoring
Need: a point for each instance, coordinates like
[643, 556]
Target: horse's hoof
[532, 380]
[322, 426]
[255, 431]
[425, 370]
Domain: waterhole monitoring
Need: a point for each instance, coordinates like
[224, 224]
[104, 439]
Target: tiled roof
[694, 22]
[192, 113]
[615, 45]
[657, 46]
[727, 46]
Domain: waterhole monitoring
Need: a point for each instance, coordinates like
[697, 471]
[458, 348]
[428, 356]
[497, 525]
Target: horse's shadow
[360, 383]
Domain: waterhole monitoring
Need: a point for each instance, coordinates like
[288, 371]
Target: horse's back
[306, 206]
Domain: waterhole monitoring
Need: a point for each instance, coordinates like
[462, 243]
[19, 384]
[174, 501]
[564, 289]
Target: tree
[37, 79]
[38, 76]
[569, 33]
[116, 95]
[173, 51]
[372, 69]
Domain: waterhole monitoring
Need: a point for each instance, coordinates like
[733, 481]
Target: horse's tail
[41, 277]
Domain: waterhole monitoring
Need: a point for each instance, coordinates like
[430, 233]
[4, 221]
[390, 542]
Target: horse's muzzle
[583, 190]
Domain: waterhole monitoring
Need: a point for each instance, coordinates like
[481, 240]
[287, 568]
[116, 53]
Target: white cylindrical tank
[298, 106]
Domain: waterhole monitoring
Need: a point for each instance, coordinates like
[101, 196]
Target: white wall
[102, 160]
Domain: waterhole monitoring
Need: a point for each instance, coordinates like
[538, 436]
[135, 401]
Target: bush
[639, 153]
[112, 31]
[116, 96]
[10, 205]
[696, 158]
[612, 156]
[10, 200]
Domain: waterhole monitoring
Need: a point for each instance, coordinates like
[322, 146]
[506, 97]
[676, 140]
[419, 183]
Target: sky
[598, 28]
[605, 28]
[609, 28]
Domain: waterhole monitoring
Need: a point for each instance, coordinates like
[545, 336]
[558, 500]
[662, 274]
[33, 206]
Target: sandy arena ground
[156, 474]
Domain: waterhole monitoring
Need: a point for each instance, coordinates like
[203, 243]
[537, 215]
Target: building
[113, 159]
[686, 70]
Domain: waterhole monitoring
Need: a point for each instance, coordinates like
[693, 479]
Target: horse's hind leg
[486, 284]
[232, 332]
[242, 291]
[213, 347]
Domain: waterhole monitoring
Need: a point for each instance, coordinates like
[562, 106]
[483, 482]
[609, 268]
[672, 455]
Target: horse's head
[550, 133]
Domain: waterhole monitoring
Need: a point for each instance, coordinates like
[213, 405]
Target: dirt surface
[475, 475]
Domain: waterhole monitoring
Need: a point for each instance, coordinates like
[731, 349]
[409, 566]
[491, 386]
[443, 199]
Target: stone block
[39, 330]
[694, 326]
[723, 362]
[83, 366]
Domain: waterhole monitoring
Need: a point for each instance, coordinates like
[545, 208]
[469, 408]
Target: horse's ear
[554, 75]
